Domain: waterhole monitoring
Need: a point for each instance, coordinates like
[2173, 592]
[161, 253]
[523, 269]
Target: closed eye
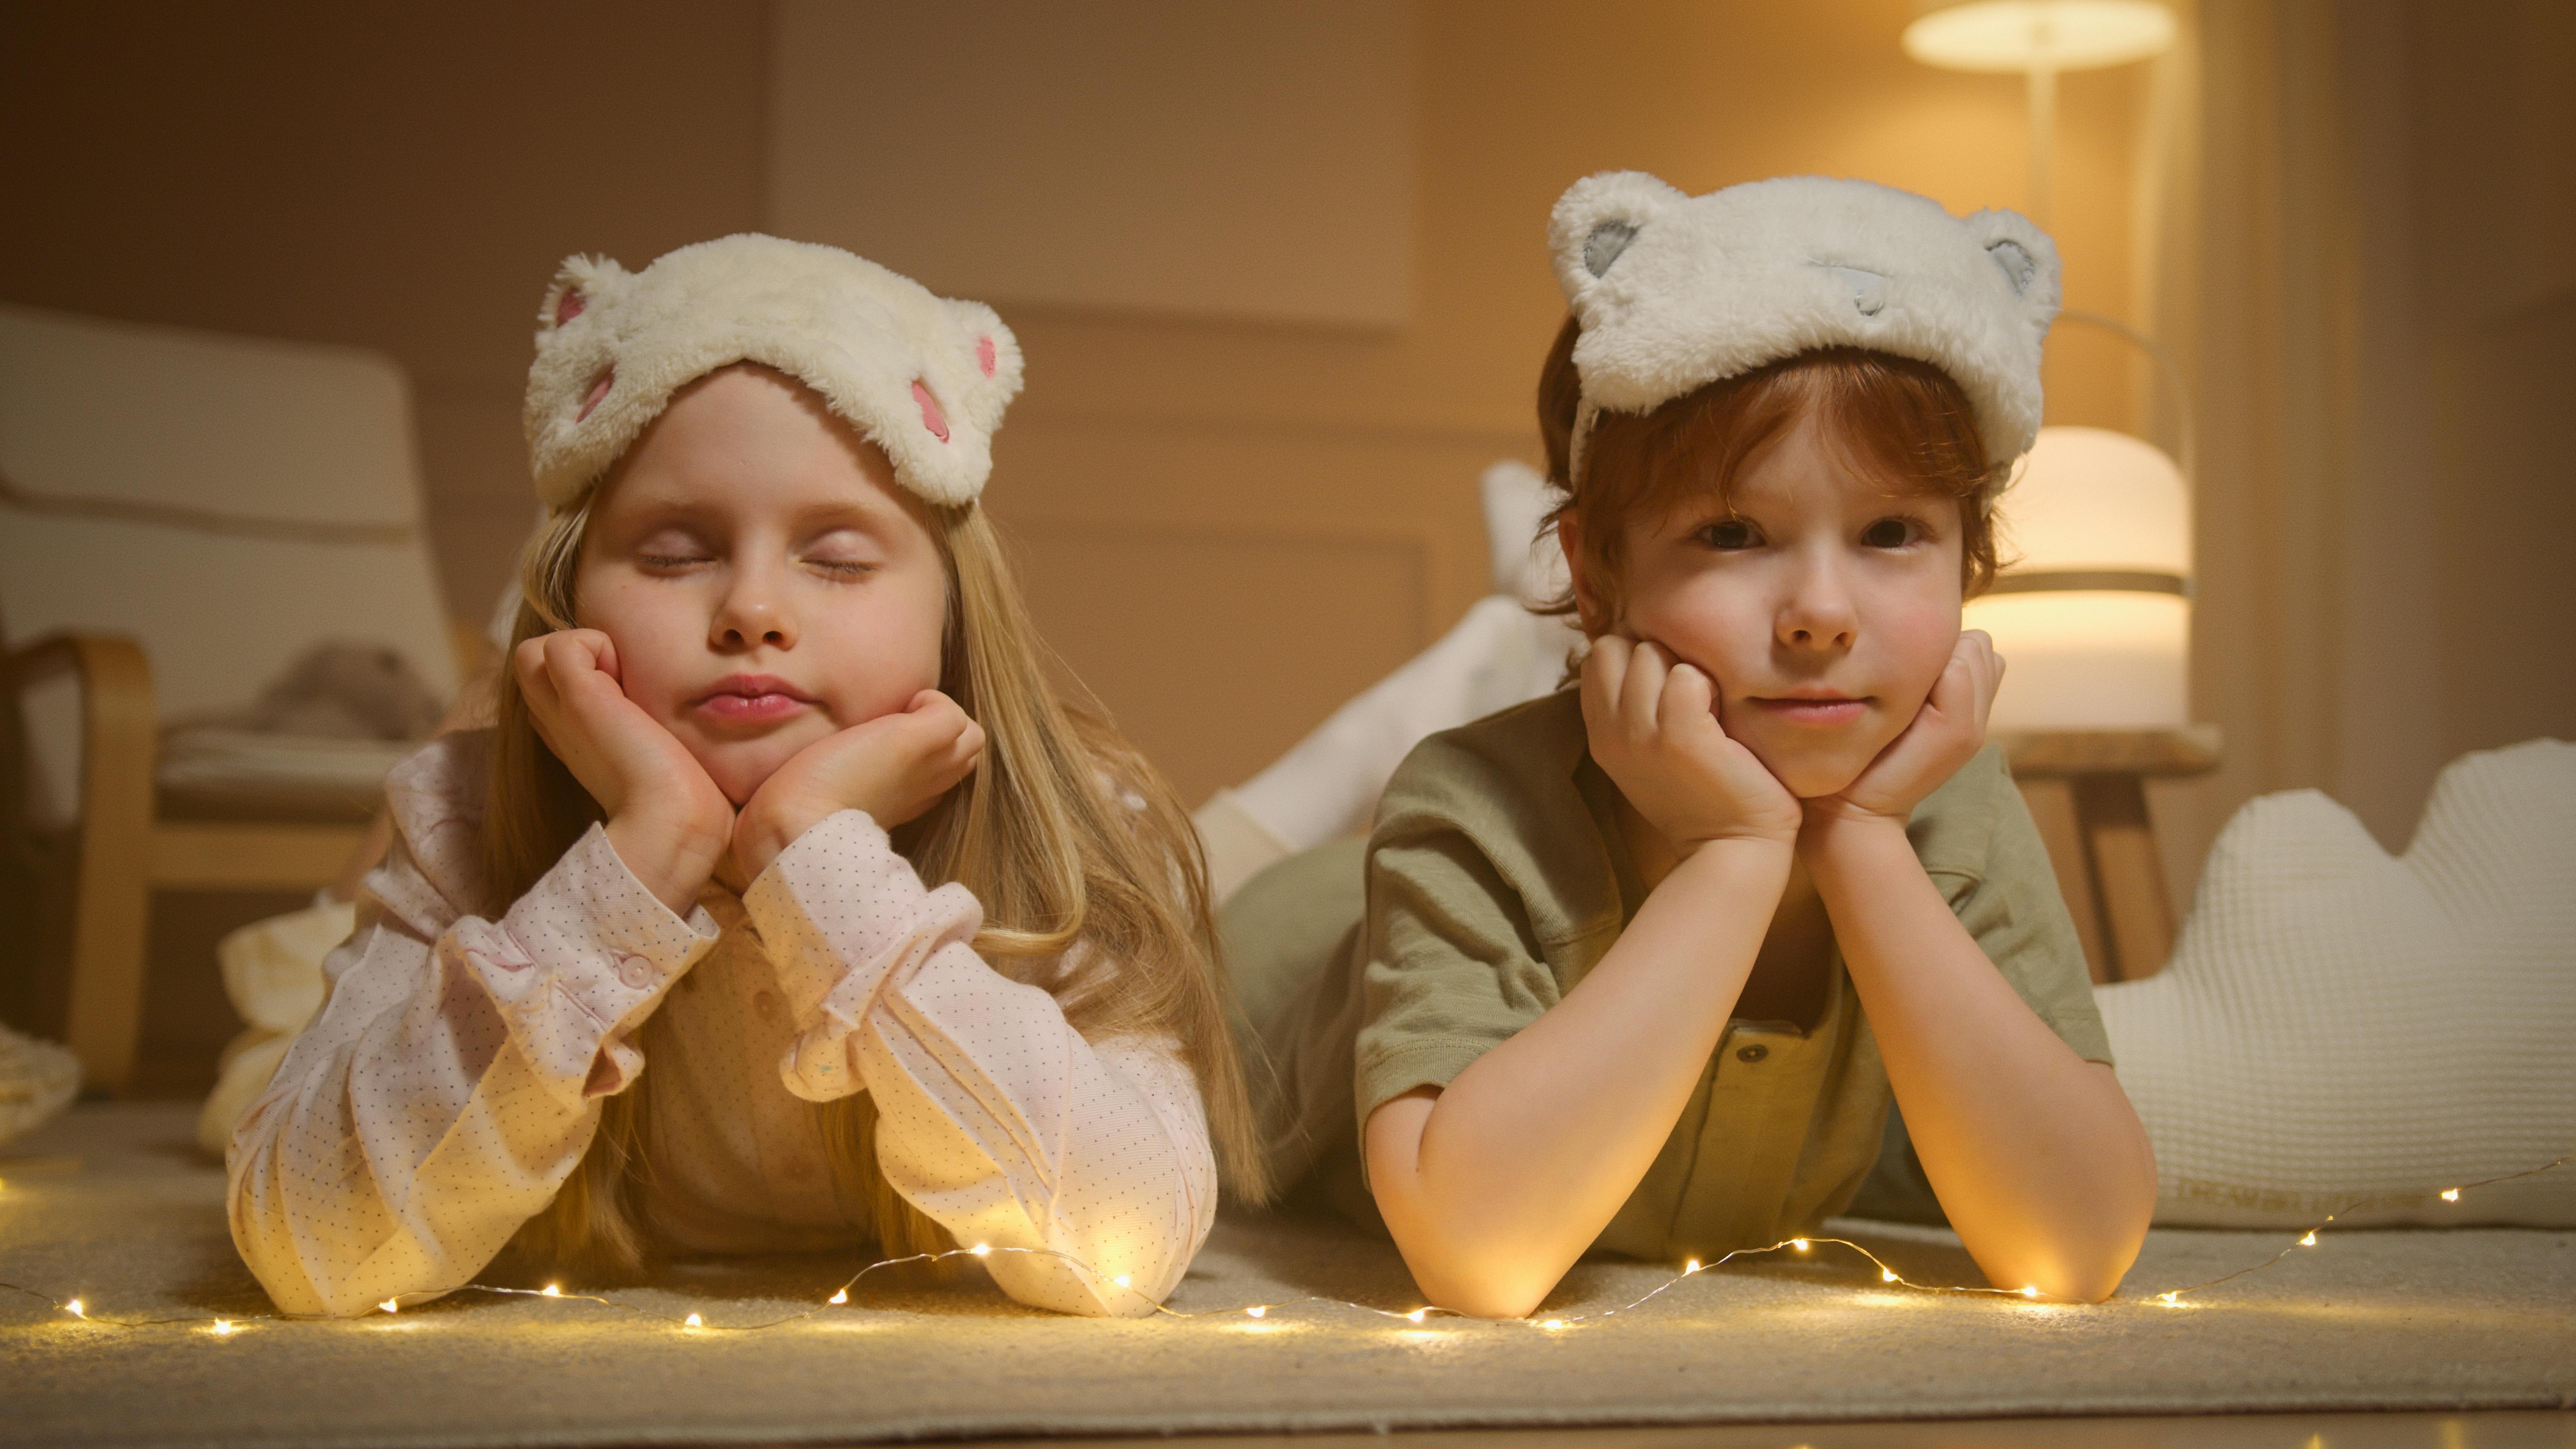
[670, 562]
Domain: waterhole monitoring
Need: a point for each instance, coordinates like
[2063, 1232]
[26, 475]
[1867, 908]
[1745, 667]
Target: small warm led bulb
[1255, 1311]
[2170, 1299]
[2030, 1290]
[2310, 1240]
[553, 1290]
[223, 1326]
[2450, 1194]
[1798, 1243]
[981, 1249]
[1691, 1267]
[1418, 1314]
[1553, 1323]
[1120, 1280]
[694, 1321]
[841, 1297]
[390, 1304]
[73, 1308]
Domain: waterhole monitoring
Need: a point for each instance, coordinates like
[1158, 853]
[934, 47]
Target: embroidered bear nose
[1868, 289]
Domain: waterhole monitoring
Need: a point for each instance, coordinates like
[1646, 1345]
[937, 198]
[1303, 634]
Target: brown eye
[1728, 534]
[1888, 533]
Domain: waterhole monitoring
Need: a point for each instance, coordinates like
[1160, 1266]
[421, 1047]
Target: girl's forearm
[1494, 1186]
[2036, 1154]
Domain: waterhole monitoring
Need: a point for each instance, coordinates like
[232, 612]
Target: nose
[1818, 616]
[753, 612]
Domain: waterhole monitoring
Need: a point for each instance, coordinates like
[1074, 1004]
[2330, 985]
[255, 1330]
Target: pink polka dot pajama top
[455, 1074]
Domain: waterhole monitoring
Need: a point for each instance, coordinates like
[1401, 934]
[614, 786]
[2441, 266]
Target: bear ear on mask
[925, 378]
[1673, 292]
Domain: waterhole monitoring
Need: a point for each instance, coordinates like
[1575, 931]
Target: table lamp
[2092, 612]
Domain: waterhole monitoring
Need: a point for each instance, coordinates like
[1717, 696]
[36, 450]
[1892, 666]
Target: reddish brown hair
[1904, 421]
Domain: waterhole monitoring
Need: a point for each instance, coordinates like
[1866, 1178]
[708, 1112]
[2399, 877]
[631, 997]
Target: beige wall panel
[1215, 651]
[1223, 589]
[1249, 160]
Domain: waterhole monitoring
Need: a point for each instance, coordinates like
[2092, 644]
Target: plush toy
[2340, 1031]
[37, 1080]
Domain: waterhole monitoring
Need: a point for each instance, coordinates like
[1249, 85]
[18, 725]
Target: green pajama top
[1495, 878]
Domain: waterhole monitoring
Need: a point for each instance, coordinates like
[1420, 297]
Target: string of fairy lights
[694, 1322]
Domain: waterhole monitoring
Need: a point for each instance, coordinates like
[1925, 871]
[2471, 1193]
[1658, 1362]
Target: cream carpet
[113, 1204]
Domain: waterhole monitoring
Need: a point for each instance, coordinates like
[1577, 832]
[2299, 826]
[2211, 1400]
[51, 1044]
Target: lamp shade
[2024, 35]
[2093, 612]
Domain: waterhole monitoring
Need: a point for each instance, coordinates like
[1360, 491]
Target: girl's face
[763, 578]
[1823, 608]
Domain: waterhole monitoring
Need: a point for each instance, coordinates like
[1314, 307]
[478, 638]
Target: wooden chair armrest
[109, 663]
[119, 737]
[119, 730]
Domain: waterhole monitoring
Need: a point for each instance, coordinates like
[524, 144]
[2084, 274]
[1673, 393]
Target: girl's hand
[1946, 732]
[1653, 729]
[894, 767]
[667, 820]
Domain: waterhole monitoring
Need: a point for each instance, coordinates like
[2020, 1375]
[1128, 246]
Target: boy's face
[1824, 608]
[765, 581]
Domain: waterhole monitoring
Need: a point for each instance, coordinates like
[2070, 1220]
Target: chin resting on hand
[1652, 725]
[894, 767]
[1945, 734]
[666, 819]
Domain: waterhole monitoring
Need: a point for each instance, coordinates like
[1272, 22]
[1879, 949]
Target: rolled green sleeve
[1450, 971]
[2003, 890]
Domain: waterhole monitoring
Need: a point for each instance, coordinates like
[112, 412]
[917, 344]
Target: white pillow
[2337, 1025]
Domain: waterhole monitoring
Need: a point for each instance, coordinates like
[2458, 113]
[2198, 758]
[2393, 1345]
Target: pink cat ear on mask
[598, 390]
[571, 304]
[931, 417]
[984, 354]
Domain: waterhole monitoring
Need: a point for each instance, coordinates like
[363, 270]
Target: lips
[754, 699]
[1821, 710]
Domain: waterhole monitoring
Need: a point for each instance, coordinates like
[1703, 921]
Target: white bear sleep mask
[922, 377]
[1674, 292]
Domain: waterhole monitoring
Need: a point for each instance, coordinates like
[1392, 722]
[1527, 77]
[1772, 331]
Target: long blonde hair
[1036, 832]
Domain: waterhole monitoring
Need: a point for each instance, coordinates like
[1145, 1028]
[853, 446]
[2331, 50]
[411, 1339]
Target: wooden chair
[2087, 791]
[181, 515]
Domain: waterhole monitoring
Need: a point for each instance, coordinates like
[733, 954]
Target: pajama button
[636, 972]
[1752, 1053]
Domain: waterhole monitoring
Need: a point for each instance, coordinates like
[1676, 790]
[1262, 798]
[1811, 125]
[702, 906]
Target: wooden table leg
[2137, 913]
[2052, 809]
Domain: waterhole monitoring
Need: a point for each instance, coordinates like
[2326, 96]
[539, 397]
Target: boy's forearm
[2037, 1156]
[1519, 1164]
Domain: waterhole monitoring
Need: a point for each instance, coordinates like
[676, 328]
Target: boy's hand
[894, 767]
[1653, 729]
[1946, 732]
[666, 819]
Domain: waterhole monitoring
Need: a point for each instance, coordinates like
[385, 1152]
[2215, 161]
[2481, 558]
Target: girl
[1638, 967]
[779, 802]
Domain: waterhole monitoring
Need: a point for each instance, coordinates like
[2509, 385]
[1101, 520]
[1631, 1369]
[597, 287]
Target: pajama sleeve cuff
[577, 963]
[843, 917]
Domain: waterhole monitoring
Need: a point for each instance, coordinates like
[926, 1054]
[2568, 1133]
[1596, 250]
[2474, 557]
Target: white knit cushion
[2342, 1032]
